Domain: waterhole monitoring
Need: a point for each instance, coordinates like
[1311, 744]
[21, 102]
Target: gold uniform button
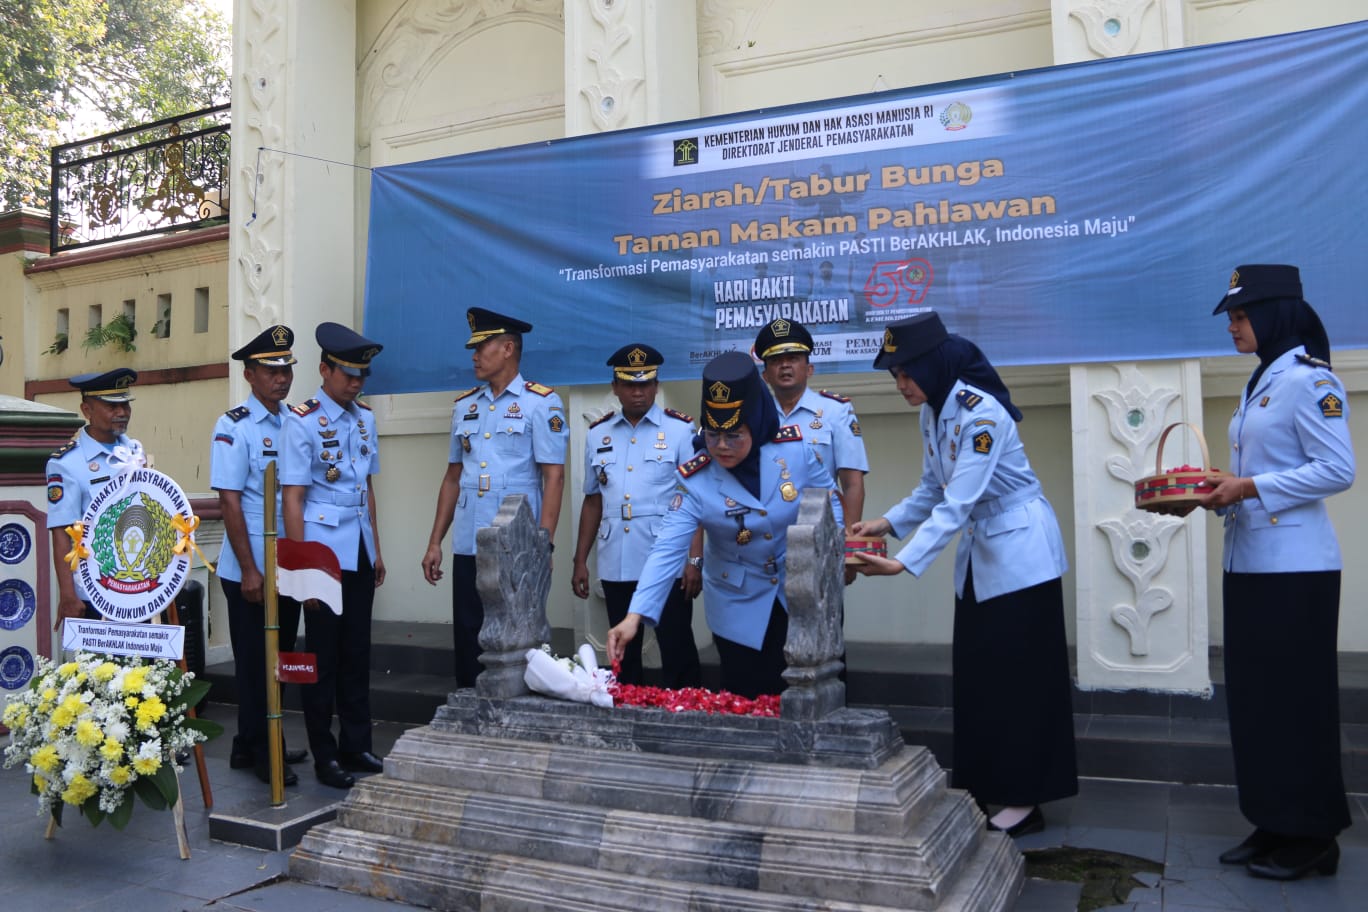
[626, 528]
[320, 517]
[773, 580]
[1273, 520]
[724, 574]
[764, 513]
[633, 440]
[483, 464]
[486, 435]
[629, 468]
[626, 496]
[768, 535]
[491, 406]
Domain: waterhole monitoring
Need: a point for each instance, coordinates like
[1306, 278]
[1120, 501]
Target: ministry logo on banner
[137, 556]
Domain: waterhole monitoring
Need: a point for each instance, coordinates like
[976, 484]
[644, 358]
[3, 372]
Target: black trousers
[1282, 695]
[467, 617]
[342, 644]
[754, 672]
[674, 632]
[247, 631]
[1013, 738]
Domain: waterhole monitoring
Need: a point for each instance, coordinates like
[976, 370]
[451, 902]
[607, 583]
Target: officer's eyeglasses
[729, 441]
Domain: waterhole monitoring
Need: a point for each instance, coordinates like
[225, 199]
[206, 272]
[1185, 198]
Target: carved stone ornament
[611, 93]
[513, 577]
[1112, 27]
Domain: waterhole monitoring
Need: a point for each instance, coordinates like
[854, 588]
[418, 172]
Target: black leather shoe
[296, 756]
[1259, 842]
[331, 773]
[1033, 822]
[1297, 858]
[361, 762]
[264, 774]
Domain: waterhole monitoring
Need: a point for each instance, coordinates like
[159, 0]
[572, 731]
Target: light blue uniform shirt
[740, 581]
[830, 427]
[633, 468]
[322, 435]
[976, 479]
[499, 441]
[74, 474]
[1292, 437]
[246, 440]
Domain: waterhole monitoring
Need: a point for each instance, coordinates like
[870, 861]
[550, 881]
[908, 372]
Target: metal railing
[152, 179]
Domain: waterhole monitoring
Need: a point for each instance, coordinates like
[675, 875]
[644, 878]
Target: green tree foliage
[75, 68]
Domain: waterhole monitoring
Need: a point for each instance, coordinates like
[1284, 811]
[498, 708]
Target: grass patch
[1107, 877]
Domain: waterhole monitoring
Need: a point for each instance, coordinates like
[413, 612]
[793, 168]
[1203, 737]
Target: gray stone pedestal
[522, 802]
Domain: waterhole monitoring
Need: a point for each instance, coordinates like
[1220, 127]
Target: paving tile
[1039, 895]
[1228, 889]
[1146, 844]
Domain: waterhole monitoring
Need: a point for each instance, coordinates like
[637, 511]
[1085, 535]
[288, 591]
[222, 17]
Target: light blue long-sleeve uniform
[740, 581]
[831, 429]
[74, 473]
[633, 468]
[321, 439]
[499, 441]
[1292, 437]
[246, 440]
[976, 478]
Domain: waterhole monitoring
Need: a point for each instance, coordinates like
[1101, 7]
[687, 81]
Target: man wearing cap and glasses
[246, 440]
[330, 453]
[82, 467]
[508, 436]
[630, 458]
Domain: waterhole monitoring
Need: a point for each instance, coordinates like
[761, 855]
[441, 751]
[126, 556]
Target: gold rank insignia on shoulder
[788, 433]
[983, 442]
[687, 419]
[967, 399]
[599, 421]
[695, 465]
[538, 388]
[830, 395]
[463, 393]
[1331, 406]
[237, 414]
[306, 408]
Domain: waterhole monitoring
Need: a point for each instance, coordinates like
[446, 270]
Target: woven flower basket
[1177, 491]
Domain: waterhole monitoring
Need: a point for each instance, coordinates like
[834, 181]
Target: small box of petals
[857, 545]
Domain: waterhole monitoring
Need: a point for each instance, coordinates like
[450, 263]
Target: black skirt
[1282, 694]
[1013, 700]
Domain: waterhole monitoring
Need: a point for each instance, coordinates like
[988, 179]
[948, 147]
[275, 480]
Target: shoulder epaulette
[693, 466]
[363, 405]
[968, 399]
[461, 395]
[539, 389]
[237, 414]
[787, 433]
[307, 407]
[1314, 362]
[603, 419]
[687, 419]
[830, 395]
[64, 449]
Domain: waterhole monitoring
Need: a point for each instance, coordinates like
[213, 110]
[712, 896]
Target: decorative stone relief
[1135, 413]
[610, 95]
[418, 35]
[1112, 27]
[259, 108]
[513, 576]
[726, 25]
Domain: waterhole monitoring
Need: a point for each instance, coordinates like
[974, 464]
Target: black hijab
[1280, 325]
[937, 370]
[745, 391]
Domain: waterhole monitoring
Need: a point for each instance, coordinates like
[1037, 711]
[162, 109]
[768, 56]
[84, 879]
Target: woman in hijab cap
[744, 490]
[1289, 450]
[1013, 741]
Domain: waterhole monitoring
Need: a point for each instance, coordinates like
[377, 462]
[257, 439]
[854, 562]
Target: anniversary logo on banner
[136, 530]
[1077, 213]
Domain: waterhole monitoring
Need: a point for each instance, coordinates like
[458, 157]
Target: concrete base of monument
[534, 804]
[255, 823]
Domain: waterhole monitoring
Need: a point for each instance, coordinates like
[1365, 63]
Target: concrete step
[1120, 735]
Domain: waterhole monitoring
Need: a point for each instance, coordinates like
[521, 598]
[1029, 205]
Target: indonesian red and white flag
[308, 570]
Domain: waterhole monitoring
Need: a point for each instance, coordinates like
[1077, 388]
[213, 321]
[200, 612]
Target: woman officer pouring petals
[745, 491]
[1013, 734]
[1289, 450]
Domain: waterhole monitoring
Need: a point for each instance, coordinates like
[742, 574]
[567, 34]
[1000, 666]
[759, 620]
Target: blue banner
[1089, 212]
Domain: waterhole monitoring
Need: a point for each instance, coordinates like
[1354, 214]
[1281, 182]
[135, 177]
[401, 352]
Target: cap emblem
[780, 327]
[1235, 278]
[280, 336]
[636, 358]
[719, 392]
[888, 344]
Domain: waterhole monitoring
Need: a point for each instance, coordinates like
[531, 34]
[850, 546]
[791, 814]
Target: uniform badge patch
[983, 442]
[855, 428]
[55, 493]
[788, 491]
[556, 423]
[1331, 406]
[967, 399]
[224, 438]
[676, 502]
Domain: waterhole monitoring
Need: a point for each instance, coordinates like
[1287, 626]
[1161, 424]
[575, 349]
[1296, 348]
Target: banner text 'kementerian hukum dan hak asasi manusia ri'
[1078, 213]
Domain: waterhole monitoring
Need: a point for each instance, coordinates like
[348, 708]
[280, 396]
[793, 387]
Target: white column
[292, 217]
[1141, 577]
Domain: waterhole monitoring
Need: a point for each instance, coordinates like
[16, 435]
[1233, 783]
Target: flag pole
[274, 733]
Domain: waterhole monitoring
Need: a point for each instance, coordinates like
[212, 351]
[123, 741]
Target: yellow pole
[274, 734]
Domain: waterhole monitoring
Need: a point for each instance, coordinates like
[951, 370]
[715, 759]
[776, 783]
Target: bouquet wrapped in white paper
[579, 678]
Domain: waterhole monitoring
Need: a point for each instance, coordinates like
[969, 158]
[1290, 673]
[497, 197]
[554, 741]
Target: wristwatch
[696, 562]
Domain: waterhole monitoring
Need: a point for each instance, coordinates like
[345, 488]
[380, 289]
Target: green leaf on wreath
[207, 727]
[191, 695]
[90, 810]
[123, 813]
[57, 812]
[149, 794]
[165, 781]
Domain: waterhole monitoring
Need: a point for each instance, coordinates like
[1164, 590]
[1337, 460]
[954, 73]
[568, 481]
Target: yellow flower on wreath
[67, 669]
[88, 733]
[79, 789]
[39, 783]
[111, 749]
[134, 679]
[146, 766]
[15, 716]
[68, 711]
[150, 712]
[105, 672]
[45, 759]
[120, 775]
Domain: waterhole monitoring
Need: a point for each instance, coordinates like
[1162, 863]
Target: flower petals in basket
[1177, 491]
